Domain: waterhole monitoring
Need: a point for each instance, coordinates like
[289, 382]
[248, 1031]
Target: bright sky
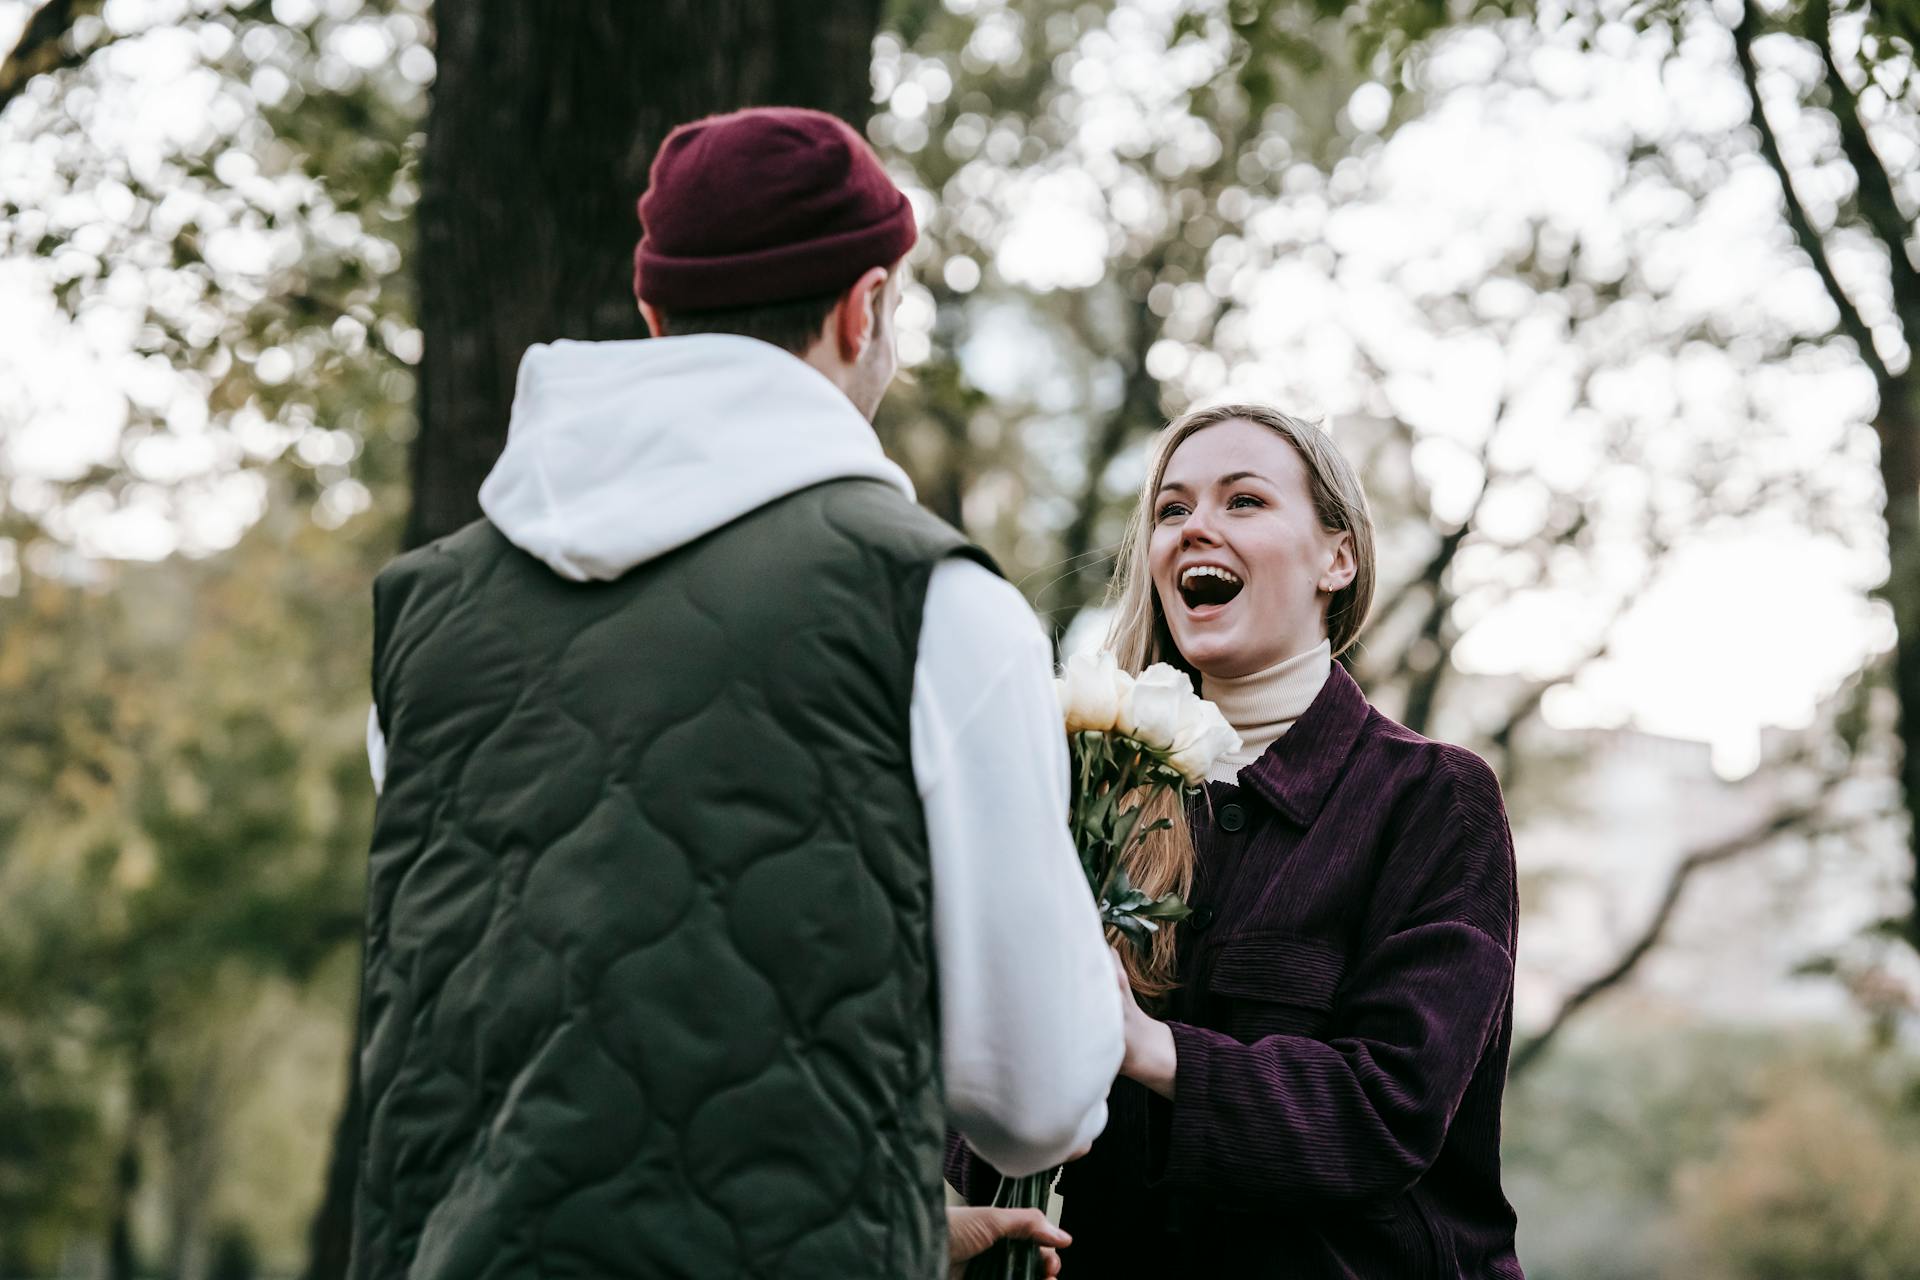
[1747, 626]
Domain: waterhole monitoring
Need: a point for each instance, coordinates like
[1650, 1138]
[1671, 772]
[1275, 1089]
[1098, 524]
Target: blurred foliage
[184, 819]
[249, 248]
[1819, 1183]
[184, 810]
[1736, 1155]
[184, 815]
[1204, 165]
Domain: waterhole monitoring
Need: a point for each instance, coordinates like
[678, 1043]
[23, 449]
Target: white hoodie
[619, 452]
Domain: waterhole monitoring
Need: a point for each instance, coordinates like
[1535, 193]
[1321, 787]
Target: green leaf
[1138, 932]
[1169, 908]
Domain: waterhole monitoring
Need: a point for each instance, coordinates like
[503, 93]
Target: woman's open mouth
[1206, 586]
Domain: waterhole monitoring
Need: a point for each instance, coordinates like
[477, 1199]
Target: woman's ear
[1342, 567]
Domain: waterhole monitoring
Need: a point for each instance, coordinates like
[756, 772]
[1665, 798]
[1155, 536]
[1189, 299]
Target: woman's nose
[1197, 529]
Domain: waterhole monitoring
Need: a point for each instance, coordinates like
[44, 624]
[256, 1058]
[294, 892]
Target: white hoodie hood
[619, 452]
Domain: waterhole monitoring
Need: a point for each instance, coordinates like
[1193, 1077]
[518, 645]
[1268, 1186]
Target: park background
[1613, 303]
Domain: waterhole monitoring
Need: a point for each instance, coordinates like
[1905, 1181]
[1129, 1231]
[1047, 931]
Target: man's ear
[652, 317]
[856, 319]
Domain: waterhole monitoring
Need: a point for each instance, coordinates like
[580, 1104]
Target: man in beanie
[721, 859]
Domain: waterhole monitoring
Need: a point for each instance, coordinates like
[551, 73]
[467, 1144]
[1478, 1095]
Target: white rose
[1203, 737]
[1155, 706]
[1092, 692]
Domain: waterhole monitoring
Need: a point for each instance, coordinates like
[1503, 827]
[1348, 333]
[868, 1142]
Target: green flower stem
[1108, 768]
[1015, 1259]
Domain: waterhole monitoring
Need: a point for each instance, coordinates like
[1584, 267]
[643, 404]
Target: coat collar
[1299, 769]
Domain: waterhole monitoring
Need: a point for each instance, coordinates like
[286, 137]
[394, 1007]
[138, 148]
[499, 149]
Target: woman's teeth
[1207, 584]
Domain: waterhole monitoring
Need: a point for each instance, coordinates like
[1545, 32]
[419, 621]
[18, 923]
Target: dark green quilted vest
[650, 988]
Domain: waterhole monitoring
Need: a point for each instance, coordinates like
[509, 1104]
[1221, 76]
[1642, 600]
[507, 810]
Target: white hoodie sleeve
[376, 750]
[1031, 1029]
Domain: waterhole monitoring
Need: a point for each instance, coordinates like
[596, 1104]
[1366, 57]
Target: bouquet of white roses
[1130, 738]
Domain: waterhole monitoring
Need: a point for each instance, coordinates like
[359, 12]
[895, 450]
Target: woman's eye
[1246, 498]
[1171, 510]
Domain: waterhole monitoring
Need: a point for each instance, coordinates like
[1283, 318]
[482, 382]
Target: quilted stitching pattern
[649, 986]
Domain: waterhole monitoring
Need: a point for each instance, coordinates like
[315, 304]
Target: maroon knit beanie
[765, 205]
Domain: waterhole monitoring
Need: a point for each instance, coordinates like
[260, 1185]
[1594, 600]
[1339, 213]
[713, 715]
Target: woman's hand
[1150, 1056]
[970, 1232]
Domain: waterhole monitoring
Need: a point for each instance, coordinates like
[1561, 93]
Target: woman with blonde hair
[1313, 1086]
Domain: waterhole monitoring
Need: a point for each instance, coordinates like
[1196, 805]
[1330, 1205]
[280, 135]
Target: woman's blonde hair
[1139, 635]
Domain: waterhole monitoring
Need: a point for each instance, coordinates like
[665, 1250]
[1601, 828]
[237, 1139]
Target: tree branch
[1523, 709]
[1431, 578]
[1423, 690]
[1435, 569]
[1810, 241]
[1878, 205]
[44, 46]
[1139, 406]
[1786, 818]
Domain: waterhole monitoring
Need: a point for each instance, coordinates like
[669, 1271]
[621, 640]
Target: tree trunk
[1899, 431]
[330, 1235]
[194, 1140]
[126, 1181]
[1896, 423]
[544, 119]
[543, 122]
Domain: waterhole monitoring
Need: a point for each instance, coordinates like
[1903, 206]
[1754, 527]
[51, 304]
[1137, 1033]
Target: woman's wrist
[1151, 1058]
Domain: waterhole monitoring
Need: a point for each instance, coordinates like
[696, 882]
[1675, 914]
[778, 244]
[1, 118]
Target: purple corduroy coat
[1342, 1024]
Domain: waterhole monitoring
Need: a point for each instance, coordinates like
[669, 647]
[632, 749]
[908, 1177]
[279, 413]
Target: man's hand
[971, 1231]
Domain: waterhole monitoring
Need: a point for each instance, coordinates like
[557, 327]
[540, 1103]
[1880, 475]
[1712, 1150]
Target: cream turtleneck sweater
[1264, 705]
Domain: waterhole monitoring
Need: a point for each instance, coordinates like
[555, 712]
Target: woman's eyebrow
[1175, 486]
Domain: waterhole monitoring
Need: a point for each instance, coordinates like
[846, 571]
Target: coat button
[1200, 919]
[1232, 817]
